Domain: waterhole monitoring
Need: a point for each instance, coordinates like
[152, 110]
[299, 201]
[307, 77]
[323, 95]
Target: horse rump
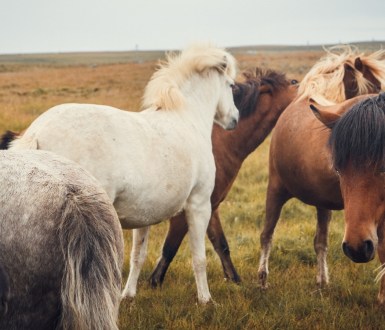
[61, 246]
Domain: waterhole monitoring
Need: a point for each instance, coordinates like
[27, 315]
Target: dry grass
[293, 300]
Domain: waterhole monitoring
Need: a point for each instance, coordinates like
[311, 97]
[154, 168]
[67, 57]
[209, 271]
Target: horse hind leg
[138, 255]
[276, 197]
[176, 232]
[218, 240]
[321, 245]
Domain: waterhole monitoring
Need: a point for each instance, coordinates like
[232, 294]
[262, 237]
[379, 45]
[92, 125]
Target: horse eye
[294, 82]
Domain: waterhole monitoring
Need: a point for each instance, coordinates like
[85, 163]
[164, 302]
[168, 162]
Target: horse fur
[61, 245]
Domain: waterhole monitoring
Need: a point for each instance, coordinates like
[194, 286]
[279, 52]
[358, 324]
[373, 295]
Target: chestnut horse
[357, 142]
[303, 167]
[260, 100]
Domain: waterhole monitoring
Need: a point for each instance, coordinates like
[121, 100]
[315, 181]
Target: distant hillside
[366, 46]
[97, 58]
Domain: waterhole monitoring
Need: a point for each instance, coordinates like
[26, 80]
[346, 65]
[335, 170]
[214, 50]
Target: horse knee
[199, 264]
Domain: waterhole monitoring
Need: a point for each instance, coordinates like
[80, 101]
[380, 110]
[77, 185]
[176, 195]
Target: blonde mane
[164, 88]
[324, 81]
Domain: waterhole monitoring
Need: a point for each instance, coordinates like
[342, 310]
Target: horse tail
[6, 139]
[91, 240]
[4, 291]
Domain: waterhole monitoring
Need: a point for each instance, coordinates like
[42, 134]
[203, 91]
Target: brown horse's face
[364, 200]
[350, 81]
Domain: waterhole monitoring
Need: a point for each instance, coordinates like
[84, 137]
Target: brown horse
[260, 100]
[358, 149]
[303, 167]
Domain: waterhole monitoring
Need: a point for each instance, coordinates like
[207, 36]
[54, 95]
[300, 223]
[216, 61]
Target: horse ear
[347, 67]
[223, 65]
[264, 89]
[326, 117]
[236, 89]
[358, 64]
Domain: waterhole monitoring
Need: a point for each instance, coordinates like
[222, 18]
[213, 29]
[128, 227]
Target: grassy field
[31, 84]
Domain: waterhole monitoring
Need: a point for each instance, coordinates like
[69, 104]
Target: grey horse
[61, 246]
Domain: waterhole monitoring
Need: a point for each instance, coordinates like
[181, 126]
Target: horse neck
[252, 130]
[201, 100]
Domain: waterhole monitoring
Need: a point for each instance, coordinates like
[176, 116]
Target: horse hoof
[234, 279]
[322, 284]
[262, 276]
[207, 303]
[154, 283]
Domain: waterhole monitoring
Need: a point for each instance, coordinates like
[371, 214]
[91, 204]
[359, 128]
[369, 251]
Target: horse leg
[218, 239]
[138, 255]
[176, 232]
[321, 245]
[198, 215]
[276, 197]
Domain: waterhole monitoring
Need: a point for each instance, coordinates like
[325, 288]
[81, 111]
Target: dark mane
[6, 139]
[358, 138]
[246, 94]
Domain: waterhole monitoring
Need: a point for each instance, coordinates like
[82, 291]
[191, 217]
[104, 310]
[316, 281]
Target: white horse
[61, 246]
[157, 162]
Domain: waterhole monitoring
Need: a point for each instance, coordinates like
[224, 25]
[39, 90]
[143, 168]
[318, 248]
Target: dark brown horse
[358, 149]
[303, 168]
[260, 100]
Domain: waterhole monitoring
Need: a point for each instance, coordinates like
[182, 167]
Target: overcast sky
[30, 26]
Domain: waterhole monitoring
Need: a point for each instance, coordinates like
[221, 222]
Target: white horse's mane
[163, 90]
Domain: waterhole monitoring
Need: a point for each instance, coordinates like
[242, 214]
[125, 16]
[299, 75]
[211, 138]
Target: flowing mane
[324, 81]
[358, 138]
[247, 93]
[164, 88]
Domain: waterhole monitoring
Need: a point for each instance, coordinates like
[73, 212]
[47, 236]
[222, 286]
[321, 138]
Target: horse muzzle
[232, 125]
[364, 253]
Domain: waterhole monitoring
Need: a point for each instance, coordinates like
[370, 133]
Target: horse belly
[141, 210]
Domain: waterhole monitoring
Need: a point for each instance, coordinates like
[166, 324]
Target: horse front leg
[321, 245]
[138, 255]
[176, 232]
[276, 197]
[198, 216]
[218, 240]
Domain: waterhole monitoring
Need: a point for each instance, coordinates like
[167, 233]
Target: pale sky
[33, 26]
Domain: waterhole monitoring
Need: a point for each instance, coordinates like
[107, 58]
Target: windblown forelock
[358, 138]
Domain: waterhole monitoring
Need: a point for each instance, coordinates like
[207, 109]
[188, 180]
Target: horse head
[359, 78]
[227, 114]
[357, 143]
[264, 91]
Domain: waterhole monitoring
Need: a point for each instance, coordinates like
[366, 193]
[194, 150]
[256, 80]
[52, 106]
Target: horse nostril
[232, 124]
[369, 249]
[345, 248]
